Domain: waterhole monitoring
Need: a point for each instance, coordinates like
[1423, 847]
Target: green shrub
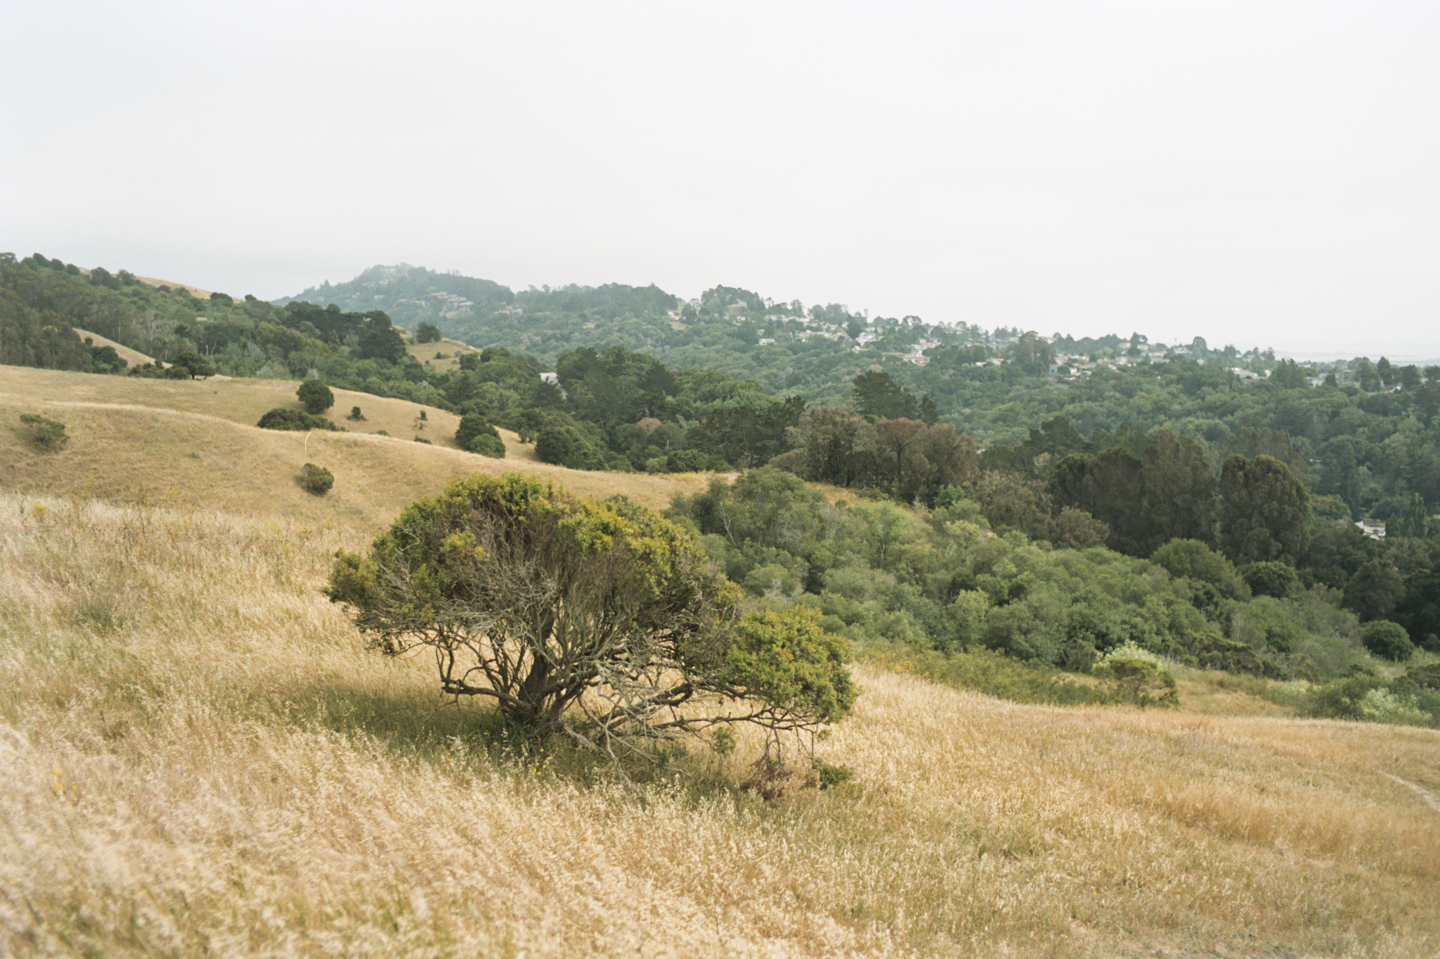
[316, 479]
[355, 413]
[478, 436]
[190, 365]
[44, 433]
[488, 445]
[1387, 640]
[1137, 678]
[315, 396]
[986, 671]
[831, 775]
[288, 419]
[1272, 579]
[1368, 698]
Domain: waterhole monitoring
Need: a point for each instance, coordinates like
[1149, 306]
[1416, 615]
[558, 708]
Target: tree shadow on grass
[407, 721]
[423, 725]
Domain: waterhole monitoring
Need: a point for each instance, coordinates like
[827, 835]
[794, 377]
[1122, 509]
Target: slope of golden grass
[132, 357]
[199, 758]
[195, 291]
[443, 356]
[195, 443]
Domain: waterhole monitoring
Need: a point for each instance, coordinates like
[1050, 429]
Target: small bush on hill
[1138, 677]
[190, 365]
[489, 445]
[1369, 698]
[355, 413]
[316, 479]
[315, 396]
[44, 433]
[286, 419]
[985, 671]
[1387, 640]
[478, 436]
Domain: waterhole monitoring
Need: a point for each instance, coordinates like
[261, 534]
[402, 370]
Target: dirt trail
[1430, 798]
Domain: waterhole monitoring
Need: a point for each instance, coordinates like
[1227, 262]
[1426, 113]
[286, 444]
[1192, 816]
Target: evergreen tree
[1264, 511]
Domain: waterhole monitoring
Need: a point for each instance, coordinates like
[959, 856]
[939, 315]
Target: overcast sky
[1256, 173]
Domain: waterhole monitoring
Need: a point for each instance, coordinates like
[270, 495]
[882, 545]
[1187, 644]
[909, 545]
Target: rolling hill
[193, 443]
[199, 757]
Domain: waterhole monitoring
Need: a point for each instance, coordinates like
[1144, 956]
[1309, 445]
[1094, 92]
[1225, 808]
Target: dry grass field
[197, 757]
[443, 356]
[130, 356]
[193, 443]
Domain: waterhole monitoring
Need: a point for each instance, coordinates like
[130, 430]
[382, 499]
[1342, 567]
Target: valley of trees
[1069, 504]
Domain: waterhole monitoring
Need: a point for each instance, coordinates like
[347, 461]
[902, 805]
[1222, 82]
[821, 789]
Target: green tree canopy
[315, 396]
[478, 436]
[1264, 511]
[599, 620]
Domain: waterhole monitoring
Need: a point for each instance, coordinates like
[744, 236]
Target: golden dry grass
[194, 443]
[199, 758]
[195, 291]
[425, 353]
[130, 356]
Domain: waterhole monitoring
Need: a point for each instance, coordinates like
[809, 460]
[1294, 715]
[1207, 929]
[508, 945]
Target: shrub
[315, 396]
[355, 413]
[487, 444]
[478, 436]
[316, 479]
[596, 620]
[427, 333]
[565, 446]
[1138, 676]
[192, 365]
[288, 419]
[985, 671]
[44, 433]
[1272, 578]
[1387, 640]
[1367, 698]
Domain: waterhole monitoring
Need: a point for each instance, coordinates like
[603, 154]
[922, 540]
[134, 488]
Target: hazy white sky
[1257, 173]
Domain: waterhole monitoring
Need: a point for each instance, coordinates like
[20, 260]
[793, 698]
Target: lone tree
[598, 620]
[315, 396]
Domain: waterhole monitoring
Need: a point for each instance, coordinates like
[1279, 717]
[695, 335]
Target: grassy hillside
[131, 357]
[443, 357]
[199, 757]
[193, 443]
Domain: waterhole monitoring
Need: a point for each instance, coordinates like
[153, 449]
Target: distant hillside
[131, 356]
[410, 294]
[194, 444]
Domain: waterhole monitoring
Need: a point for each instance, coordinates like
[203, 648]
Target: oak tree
[598, 620]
